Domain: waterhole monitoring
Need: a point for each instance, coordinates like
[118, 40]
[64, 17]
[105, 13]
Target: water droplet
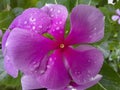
[51, 9]
[42, 71]
[48, 66]
[60, 22]
[52, 15]
[57, 28]
[40, 26]
[33, 27]
[70, 86]
[74, 89]
[95, 28]
[32, 19]
[58, 11]
[25, 22]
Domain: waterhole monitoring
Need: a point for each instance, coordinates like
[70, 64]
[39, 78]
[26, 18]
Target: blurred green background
[109, 45]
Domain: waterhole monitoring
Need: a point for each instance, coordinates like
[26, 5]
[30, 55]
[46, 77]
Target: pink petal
[29, 83]
[118, 11]
[84, 62]
[10, 67]
[56, 75]
[58, 14]
[32, 19]
[87, 25]
[115, 17]
[27, 48]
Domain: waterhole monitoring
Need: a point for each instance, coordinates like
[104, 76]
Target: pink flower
[55, 63]
[117, 16]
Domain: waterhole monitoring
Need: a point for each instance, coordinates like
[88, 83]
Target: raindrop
[42, 71]
[25, 22]
[57, 28]
[60, 22]
[58, 11]
[95, 28]
[40, 26]
[48, 66]
[70, 86]
[33, 27]
[51, 9]
[52, 15]
[32, 19]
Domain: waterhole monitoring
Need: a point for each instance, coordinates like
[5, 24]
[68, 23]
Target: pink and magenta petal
[87, 25]
[57, 70]
[32, 19]
[58, 15]
[27, 48]
[84, 63]
[29, 83]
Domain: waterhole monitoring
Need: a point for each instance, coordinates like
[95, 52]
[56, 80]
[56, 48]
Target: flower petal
[92, 82]
[29, 83]
[118, 11]
[115, 17]
[32, 19]
[27, 48]
[56, 75]
[4, 39]
[58, 14]
[84, 63]
[10, 67]
[74, 86]
[87, 25]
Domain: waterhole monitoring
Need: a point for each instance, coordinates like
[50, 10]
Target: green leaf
[110, 80]
[6, 18]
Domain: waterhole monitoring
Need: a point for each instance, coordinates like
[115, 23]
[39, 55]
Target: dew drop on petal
[25, 22]
[52, 15]
[60, 22]
[33, 27]
[57, 28]
[58, 11]
[42, 71]
[32, 19]
[51, 9]
[40, 26]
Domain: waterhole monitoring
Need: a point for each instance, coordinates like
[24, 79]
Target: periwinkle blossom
[57, 63]
[117, 16]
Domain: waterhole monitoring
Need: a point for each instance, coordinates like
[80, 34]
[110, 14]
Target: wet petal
[32, 19]
[29, 83]
[27, 48]
[10, 67]
[87, 25]
[58, 14]
[115, 17]
[74, 86]
[56, 76]
[92, 82]
[84, 62]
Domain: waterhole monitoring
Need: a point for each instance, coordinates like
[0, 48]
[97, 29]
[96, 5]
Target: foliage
[109, 45]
